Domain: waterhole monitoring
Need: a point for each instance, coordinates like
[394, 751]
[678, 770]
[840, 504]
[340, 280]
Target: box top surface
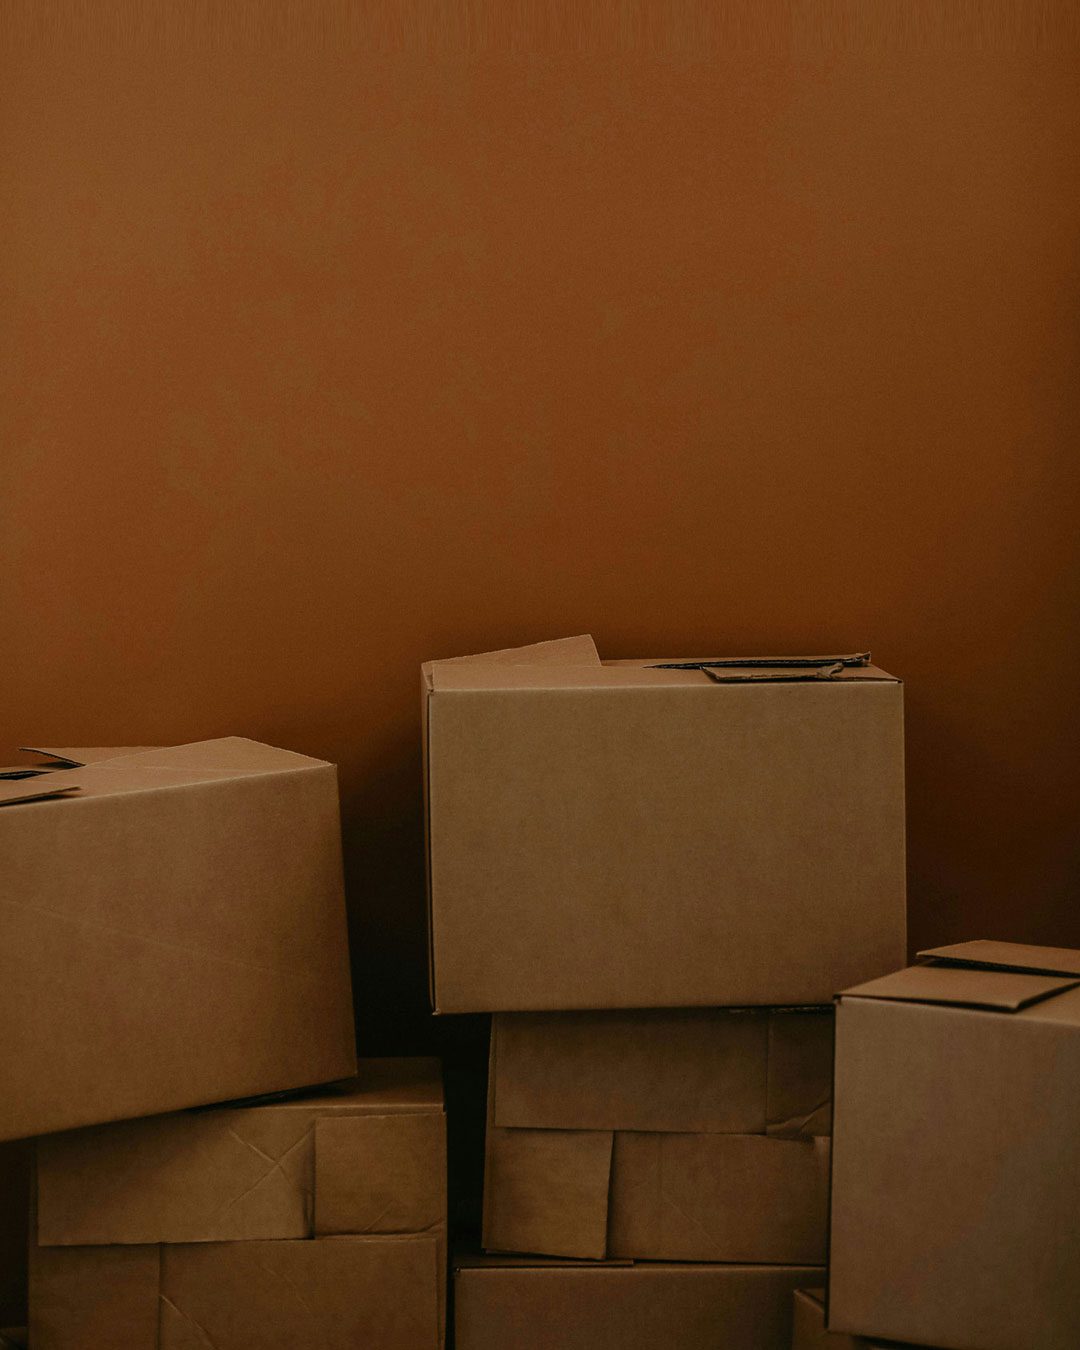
[386, 1084]
[573, 663]
[114, 773]
[996, 976]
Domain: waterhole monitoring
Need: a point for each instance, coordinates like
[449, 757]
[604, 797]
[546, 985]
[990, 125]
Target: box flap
[1008, 956]
[38, 788]
[172, 766]
[1000, 990]
[547, 1191]
[380, 1174]
[74, 757]
[572, 651]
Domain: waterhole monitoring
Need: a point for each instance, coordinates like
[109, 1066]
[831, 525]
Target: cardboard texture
[183, 908]
[187, 1224]
[696, 1135]
[512, 1305]
[334, 1293]
[660, 834]
[809, 1332]
[956, 1168]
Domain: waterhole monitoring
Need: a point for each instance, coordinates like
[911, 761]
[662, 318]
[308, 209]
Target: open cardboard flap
[1008, 956]
[74, 757]
[1002, 976]
[999, 990]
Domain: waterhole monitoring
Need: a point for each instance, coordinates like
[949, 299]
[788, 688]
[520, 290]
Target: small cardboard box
[690, 1135]
[503, 1304]
[301, 1221]
[956, 1169]
[656, 833]
[173, 926]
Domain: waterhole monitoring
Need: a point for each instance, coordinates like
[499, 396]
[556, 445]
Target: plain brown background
[327, 353]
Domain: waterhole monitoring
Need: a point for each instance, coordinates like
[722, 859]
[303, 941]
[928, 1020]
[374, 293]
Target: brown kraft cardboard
[956, 1165]
[548, 1305]
[809, 1332]
[174, 926]
[175, 1222]
[688, 1135]
[657, 833]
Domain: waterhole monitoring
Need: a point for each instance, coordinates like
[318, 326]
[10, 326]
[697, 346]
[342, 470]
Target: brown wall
[322, 363]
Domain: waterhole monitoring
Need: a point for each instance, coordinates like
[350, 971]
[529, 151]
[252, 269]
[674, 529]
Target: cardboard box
[333, 1293]
[641, 834]
[956, 1170]
[691, 1135]
[810, 1333]
[302, 1221]
[547, 1305]
[173, 925]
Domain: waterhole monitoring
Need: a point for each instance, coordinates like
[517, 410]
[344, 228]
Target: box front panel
[193, 942]
[665, 846]
[956, 1177]
[333, 1293]
[632, 1308]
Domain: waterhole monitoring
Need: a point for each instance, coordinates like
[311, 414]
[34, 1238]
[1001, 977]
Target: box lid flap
[572, 651]
[1001, 990]
[173, 766]
[38, 787]
[74, 757]
[1008, 956]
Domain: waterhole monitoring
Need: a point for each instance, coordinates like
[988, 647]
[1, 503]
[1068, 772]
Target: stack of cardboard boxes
[656, 874]
[175, 933]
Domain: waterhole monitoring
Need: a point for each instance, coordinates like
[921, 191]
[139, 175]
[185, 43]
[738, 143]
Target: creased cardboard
[737, 1171]
[367, 1155]
[636, 834]
[956, 1168]
[513, 1305]
[270, 1189]
[183, 908]
[334, 1293]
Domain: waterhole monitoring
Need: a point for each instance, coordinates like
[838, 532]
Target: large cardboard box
[654, 833]
[174, 933]
[956, 1168]
[316, 1220]
[691, 1135]
[547, 1305]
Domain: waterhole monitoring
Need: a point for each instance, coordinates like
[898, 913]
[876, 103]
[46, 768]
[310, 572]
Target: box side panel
[719, 1197]
[334, 1293]
[692, 1069]
[84, 1298]
[643, 822]
[956, 1172]
[193, 942]
[632, 1308]
[214, 1176]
